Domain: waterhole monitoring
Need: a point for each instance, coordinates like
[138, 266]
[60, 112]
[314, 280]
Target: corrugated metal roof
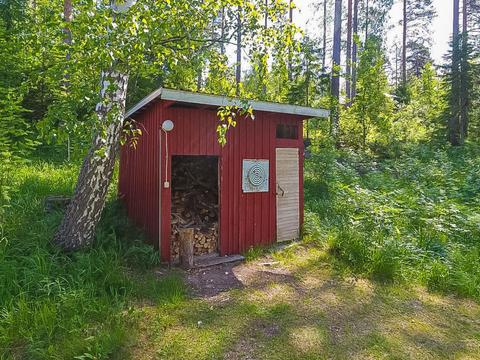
[216, 100]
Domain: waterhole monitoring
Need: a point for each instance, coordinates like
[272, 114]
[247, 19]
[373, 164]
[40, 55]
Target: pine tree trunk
[222, 32]
[349, 53]
[396, 65]
[464, 78]
[354, 51]
[238, 74]
[404, 44]
[265, 74]
[337, 38]
[77, 229]
[454, 121]
[367, 19]
[68, 17]
[199, 79]
[290, 60]
[324, 53]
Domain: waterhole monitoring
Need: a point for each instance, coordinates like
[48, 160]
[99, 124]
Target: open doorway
[195, 203]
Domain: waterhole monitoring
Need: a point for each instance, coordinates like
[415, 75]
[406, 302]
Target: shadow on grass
[313, 314]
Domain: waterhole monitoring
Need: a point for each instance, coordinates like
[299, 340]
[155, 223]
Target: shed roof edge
[218, 100]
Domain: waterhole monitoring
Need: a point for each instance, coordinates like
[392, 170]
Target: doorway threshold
[204, 261]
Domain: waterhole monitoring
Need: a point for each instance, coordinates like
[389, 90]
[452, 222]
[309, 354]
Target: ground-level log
[56, 202]
[186, 236]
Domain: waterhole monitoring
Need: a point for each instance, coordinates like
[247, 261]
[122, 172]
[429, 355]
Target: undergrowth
[411, 218]
[415, 217]
[61, 306]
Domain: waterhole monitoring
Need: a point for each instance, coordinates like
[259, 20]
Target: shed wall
[138, 184]
[245, 219]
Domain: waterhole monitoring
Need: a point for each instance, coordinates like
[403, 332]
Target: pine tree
[368, 121]
[464, 72]
[417, 42]
[349, 50]
[238, 69]
[354, 50]
[373, 16]
[337, 39]
[324, 35]
[473, 126]
[404, 43]
[454, 133]
[290, 55]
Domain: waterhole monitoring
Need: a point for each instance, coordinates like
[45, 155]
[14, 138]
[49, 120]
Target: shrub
[386, 261]
[351, 247]
[413, 217]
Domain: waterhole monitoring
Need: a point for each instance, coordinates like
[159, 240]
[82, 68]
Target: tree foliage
[422, 118]
[369, 120]
[420, 15]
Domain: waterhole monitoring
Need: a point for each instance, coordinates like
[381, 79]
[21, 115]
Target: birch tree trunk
[83, 213]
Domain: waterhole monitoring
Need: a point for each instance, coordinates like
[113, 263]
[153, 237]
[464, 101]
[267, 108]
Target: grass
[61, 306]
[389, 269]
[411, 218]
[312, 313]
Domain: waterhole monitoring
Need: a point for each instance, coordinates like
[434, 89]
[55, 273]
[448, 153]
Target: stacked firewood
[194, 205]
[205, 241]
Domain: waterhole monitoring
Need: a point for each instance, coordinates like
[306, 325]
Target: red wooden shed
[259, 172]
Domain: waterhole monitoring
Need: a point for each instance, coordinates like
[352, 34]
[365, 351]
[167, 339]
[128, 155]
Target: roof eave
[219, 101]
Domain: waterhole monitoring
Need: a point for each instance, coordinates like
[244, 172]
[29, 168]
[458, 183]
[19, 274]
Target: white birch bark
[82, 216]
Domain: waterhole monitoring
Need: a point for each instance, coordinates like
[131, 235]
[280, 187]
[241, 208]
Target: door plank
[288, 205]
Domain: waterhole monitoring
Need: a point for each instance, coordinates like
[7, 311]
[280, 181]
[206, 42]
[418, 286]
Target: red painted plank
[273, 204]
[250, 197]
[228, 187]
[264, 206]
[245, 219]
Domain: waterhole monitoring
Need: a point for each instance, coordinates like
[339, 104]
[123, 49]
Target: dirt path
[214, 280]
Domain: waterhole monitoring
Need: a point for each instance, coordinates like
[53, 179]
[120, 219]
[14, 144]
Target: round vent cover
[256, 175]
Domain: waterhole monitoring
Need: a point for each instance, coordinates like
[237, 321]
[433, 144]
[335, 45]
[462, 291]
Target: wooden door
[288, 194]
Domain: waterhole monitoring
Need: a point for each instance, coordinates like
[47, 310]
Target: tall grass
[55, 305]
[414, 217]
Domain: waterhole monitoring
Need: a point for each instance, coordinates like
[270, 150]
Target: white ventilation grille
[255, 176]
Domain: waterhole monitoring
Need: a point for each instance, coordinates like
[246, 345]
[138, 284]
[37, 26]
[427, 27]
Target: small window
[285, 131]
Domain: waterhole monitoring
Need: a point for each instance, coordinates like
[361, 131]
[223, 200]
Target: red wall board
[246, 219]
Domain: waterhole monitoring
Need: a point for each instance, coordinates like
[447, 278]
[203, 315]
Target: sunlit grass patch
[308, 339]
